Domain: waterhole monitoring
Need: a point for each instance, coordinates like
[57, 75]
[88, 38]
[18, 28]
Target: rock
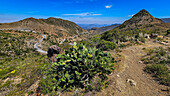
[153, 35]
[140, 62]
[118, 75]
[147, 36]
[53, 51]
[164, 43]
[4, 81]
[34, 86]
[132, 82]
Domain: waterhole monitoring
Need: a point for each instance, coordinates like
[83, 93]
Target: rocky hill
[136, 29]
[51, 25]
[144, 20]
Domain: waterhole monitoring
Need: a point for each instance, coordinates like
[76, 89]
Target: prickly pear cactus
[77, 67]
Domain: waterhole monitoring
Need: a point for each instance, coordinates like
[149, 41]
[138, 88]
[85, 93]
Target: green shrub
[157, 69]
[168, 32]
[106, 45]
[159, 39]
[122, 45]
[160, 71]
[87, 43]
[77, 67]
[159, 59]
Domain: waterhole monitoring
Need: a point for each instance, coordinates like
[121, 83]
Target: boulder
[53, 51]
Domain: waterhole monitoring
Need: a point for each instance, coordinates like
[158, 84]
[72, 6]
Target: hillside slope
[20, 64]
[51, 25]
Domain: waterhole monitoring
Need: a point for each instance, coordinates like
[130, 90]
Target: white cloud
[131, 15]
[108, 6]
[83, 14]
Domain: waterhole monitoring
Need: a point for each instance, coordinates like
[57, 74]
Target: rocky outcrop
[53, 51]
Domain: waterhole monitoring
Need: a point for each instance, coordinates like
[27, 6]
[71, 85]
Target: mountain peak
[30, 18]
[141, 19]
[143, 10]
[142, 13]
[51, 18]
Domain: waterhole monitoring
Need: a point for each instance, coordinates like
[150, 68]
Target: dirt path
[36, 45]
[133, 69]
[145, 85]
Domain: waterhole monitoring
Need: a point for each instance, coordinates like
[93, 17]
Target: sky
[81, 11]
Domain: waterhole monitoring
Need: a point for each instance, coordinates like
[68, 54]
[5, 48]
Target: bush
[168, 32]
[160, 71]
[157, 69]
[77, 67]
[122, 45]
[106, 45]
[158, 58]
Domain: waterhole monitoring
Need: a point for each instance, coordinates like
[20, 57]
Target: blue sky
[81, 11]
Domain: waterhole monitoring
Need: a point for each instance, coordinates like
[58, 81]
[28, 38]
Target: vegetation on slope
[115, 39]
[158, 62]
[20, 65]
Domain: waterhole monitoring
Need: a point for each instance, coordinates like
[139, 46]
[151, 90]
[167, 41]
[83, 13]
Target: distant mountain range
[166, 20]
[89, 26]
[100, 30]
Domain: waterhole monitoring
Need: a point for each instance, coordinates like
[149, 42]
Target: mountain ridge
[50, 25]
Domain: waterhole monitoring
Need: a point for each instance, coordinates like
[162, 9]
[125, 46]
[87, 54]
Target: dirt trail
[36, 45]
[133, 69]
[145, 86]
